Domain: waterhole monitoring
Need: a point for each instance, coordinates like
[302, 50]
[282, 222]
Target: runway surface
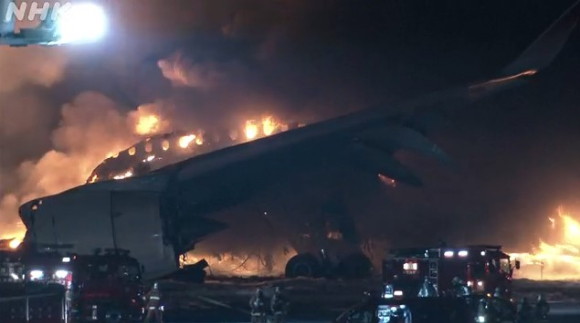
[561, 312]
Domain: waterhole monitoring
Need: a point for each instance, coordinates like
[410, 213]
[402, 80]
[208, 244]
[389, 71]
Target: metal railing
[37, 308]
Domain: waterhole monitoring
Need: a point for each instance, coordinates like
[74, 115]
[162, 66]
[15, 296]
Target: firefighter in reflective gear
[525, 311]
[427, 289]
[279, 306]
[542, 308]
[459, 287]
[258, 307]
[154, 304]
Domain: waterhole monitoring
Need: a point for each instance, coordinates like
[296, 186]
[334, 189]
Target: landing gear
[354, 266]
[303, 265]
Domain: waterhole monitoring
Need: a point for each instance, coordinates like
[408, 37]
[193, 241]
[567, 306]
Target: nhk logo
[35, 11]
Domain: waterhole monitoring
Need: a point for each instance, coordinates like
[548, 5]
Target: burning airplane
[163, 213]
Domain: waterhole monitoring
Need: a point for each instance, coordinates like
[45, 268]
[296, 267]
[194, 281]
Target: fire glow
[186, 144]
[558, 260]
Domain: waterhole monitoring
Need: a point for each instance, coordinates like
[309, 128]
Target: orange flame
[147, 124]
[559, 260]
[186, 140]
[15, 243]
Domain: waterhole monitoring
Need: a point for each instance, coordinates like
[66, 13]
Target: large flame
[15, 243]
[185, 141]
[558, 260]
[251, 129]
[147, 124]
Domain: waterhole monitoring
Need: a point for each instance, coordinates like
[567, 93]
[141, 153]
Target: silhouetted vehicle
[483, 268]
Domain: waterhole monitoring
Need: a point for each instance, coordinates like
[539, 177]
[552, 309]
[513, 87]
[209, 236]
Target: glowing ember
[15, 243]
[560, 260]
[127, 174]
[387, 180]
[147, 124]
[251, 129]
[186, 140]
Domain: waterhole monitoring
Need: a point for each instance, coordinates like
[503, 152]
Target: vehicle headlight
[481, 319]
[36, 274]
[61, 274]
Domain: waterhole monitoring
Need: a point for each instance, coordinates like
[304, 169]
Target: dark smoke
[206, 64]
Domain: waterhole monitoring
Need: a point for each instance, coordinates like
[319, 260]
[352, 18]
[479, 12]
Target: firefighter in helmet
[258, 307]
[154, 304]
[279, 306]
[459, 287]
[542, 308]
[427, 289]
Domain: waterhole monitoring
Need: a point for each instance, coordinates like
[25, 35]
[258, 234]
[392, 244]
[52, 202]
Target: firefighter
[459, 287]
[427, 290]
[154, 304]
[258, 307]
[492, 310]
[542, 308]
[525, 311]
[279, 306]
[482, 311]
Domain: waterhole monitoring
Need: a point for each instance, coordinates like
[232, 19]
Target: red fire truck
[482, 267]
[102, 287]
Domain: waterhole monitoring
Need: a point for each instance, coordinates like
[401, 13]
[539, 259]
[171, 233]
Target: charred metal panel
[138, 227]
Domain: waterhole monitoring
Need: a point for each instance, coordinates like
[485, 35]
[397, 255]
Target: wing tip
[547, 46]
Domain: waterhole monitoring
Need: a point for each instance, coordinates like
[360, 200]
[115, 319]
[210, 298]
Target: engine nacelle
[91, 219]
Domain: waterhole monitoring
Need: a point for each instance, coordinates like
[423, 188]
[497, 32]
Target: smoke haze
[213, 64]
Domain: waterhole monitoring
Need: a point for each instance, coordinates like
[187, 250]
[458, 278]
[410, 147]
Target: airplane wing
[161, 215]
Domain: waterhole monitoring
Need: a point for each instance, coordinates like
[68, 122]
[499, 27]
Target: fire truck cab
[483, 268]
[106, 287]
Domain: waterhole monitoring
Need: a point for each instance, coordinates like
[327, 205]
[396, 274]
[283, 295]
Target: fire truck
[102, 287]
[483, 268]
[105, 287]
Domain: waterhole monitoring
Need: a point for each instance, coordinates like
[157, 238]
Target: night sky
[516, 154]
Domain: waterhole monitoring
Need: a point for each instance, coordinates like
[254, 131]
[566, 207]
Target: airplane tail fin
[545, 48]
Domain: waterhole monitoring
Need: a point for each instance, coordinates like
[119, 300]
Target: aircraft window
[165, 145]
[148, 147]
[132, 151]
